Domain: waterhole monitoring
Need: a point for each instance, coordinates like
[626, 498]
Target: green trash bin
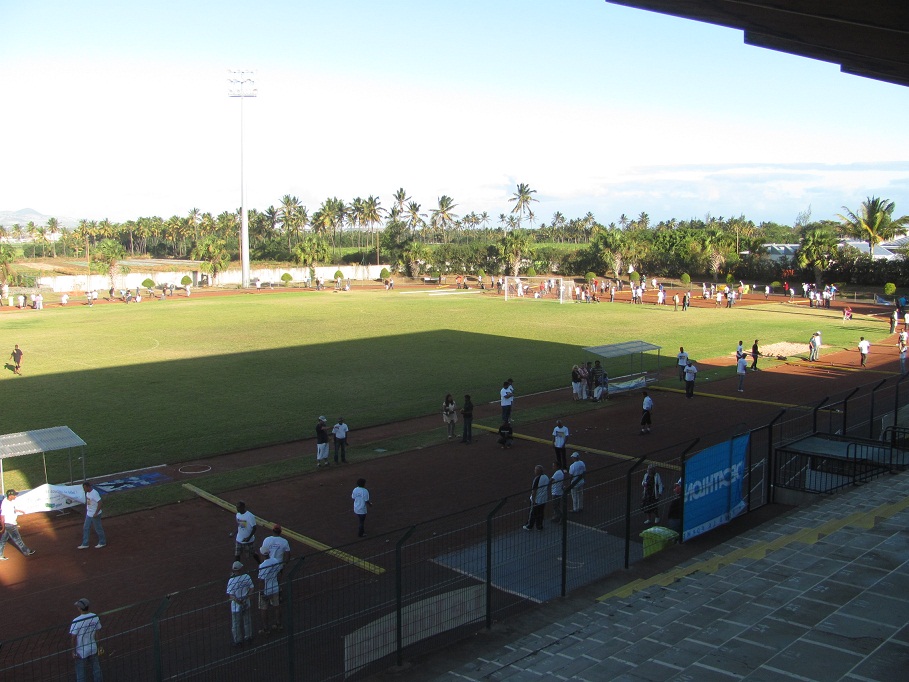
[657, 539]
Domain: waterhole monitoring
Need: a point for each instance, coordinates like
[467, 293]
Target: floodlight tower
[242, 85]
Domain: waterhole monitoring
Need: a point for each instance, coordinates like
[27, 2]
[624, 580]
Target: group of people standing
[589, 381]
[271, 558]
[450, 414]
[544, 488]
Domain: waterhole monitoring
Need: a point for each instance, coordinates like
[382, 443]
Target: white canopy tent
[41, 441]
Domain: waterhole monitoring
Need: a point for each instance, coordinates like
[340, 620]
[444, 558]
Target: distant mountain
[24, 215]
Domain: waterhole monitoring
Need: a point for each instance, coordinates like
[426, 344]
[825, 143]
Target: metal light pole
[242, 85]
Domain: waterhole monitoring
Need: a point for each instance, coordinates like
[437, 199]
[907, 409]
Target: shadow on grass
[172, 410]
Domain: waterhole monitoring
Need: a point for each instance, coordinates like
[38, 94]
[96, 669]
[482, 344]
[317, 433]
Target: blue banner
[713, 486]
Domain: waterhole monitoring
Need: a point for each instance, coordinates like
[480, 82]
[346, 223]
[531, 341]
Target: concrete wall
[230, 278]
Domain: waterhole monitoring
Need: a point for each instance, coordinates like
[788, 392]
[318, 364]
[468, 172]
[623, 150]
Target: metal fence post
[846, 408]
[814, 416]
[770, 458]
[628, 510]
[289, 618]
[896, 400]
[489, 518]
[156, 632]
[871, 417]
[399, 597]
[563, 522]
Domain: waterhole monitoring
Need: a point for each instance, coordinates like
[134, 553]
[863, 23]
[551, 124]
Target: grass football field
[163, 382]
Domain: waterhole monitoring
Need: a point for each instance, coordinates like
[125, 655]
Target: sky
[117, 110]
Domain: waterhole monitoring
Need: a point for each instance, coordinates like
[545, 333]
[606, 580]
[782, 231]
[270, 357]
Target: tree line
[441, 240]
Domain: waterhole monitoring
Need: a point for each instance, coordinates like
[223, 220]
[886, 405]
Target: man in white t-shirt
[9, 525]
[864, 346]
[239, 585]
[339, 432]
[741, 369]
[246, 533]
[576, 475]
[360, 497]
[270, 596]
[559, 438]
[83, 630]
[506, 399]
[275, 546]
[647, 413]
[556, 488]
[93, 511]
[691, 373]
[682, 362]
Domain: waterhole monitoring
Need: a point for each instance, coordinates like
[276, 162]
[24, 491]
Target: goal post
[535, 288]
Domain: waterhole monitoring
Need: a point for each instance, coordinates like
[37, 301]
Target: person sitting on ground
[847, 314]
[506, 435]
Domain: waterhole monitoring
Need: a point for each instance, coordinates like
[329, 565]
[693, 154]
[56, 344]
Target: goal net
[535, 288]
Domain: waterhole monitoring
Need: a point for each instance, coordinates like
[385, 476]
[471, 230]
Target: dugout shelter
[636, 352]
[42, 441]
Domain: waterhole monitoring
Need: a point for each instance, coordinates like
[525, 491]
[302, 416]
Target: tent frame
[41, 441]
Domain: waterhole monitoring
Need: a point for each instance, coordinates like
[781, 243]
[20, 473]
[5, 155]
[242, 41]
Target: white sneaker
[82, 547]
[100, 546]
[646, 522]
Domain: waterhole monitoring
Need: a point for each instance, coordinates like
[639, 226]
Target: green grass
[164, 382]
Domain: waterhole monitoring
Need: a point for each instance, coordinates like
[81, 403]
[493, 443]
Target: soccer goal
[535, 288]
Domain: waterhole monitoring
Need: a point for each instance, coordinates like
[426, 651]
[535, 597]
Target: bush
[384, 274]
[775, 285]
[730, 280]
[589, 277]
[286, 278]
[634, 277]
[531, 272]
[685, 279]
[186, 280]
[148, 283]
[889, 289]
[339, 274]
[481, 273]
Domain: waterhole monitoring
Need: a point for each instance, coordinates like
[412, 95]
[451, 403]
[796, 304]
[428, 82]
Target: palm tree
[443, 216]
[372, 215]
[110, 252]
[212, 251]
[515, 247]
[192, 222]
[416, 220]
[522, 198]
[311, 250]
[401, 199]
[416, 256]
[53, 227]
[874, 222]
[817, 249]
[7, 258]
[84, 231]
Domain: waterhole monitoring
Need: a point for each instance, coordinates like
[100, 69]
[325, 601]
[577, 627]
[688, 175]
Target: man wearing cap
[321, 443]
[85, 645]
[238, 588]
[275, 546]
[576, 474]
[269, 597]
[93, 504]
[339, 432]
[9, 525]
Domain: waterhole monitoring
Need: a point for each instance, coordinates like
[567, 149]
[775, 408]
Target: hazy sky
[120, 109]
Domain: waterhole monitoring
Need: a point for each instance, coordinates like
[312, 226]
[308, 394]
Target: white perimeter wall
[233, 277]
